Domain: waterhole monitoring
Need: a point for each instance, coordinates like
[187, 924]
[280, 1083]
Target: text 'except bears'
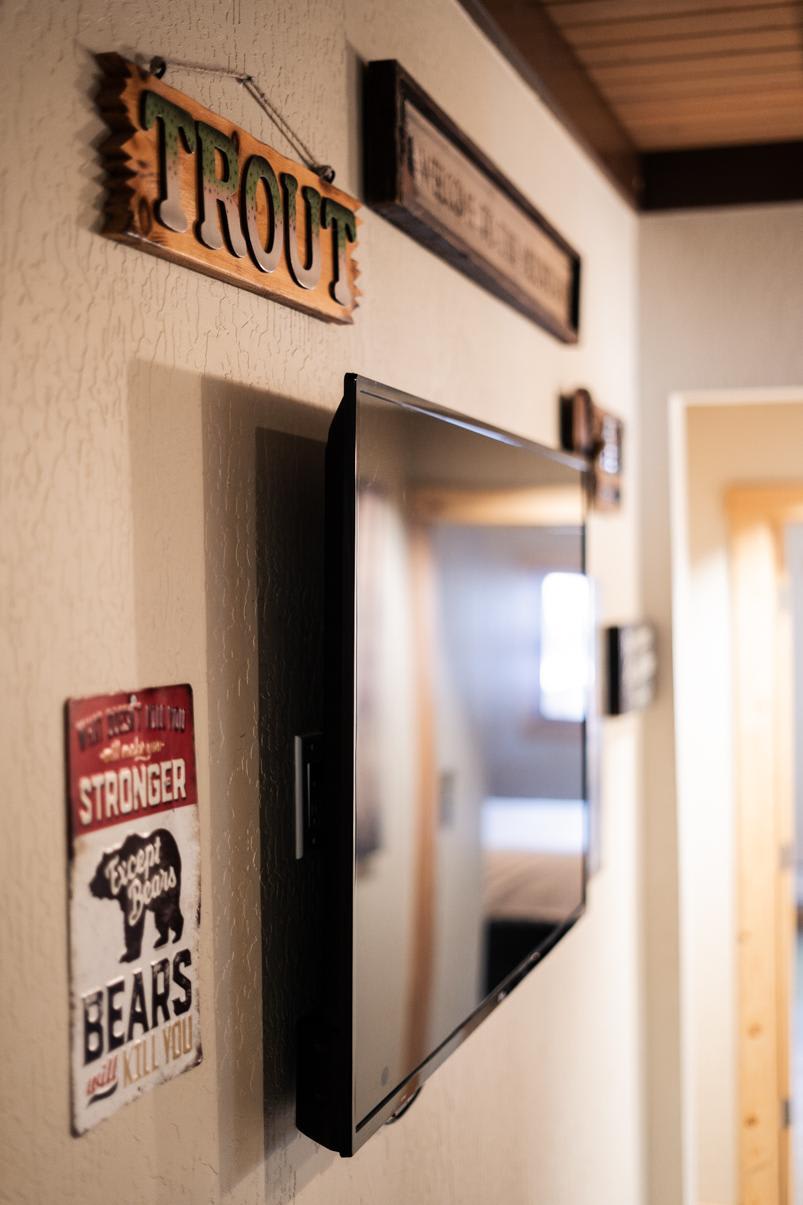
[108, 1023]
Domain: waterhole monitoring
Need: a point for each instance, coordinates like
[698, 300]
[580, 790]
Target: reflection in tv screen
[473, 668]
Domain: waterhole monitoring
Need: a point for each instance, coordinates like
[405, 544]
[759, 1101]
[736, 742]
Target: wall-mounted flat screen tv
[458, 671]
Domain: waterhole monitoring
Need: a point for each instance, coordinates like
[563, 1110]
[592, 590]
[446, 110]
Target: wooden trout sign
[192, 187]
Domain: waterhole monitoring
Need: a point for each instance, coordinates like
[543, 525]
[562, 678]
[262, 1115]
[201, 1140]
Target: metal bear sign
[134, 896]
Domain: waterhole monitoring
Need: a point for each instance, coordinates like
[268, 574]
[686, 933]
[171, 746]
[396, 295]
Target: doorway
[721, 443]
[761, 520]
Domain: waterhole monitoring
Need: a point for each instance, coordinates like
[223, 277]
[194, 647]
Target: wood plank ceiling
[692, 73]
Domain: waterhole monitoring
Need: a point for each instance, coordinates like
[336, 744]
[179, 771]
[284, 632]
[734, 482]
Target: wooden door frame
[764, 826]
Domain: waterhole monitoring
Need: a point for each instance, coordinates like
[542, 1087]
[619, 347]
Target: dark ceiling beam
[523, 32]
[760, 174]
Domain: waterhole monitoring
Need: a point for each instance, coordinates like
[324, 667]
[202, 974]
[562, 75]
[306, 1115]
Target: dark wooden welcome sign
[427, 177]
[192, 187]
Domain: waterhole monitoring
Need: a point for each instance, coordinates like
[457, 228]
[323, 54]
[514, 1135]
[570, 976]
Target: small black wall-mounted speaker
[631, 663]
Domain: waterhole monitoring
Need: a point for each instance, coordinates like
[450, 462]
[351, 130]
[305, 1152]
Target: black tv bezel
[327, 1040]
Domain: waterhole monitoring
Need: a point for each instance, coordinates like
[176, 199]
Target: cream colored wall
[721, 299]
[140, 406]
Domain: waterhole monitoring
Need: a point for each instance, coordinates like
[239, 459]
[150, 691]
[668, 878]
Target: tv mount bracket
[308, 758]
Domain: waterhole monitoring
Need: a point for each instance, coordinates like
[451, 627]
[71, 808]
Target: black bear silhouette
[143, 873]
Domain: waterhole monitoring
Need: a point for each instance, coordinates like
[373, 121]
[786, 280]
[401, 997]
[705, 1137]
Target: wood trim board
[765, 173]
[763, 781]
[192, 187]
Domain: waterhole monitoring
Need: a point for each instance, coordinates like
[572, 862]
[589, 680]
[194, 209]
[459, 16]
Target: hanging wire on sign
[324, 171]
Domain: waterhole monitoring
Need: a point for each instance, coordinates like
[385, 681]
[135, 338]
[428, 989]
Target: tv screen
[459, 665]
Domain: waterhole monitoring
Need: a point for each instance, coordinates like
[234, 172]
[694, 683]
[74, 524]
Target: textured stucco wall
[160, 495]
[721, 307]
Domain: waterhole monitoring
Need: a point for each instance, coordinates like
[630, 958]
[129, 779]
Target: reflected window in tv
[565, 672]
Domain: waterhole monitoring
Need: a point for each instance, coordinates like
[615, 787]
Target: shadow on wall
[290, 570]
[227, 505]
[263, 474]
